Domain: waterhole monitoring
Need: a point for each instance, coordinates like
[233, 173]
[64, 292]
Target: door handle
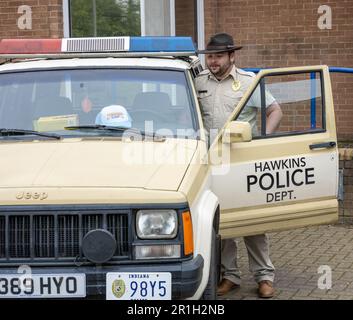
[327, 145]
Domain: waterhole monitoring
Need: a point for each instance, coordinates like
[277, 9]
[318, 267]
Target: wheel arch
[205, 215]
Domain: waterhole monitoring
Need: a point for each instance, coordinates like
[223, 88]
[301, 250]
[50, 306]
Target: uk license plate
[138, 286]
[42, 286]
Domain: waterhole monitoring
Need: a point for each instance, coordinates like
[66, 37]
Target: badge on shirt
[236, 85]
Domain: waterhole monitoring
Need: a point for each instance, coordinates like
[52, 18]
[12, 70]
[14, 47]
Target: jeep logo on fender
[31, 195]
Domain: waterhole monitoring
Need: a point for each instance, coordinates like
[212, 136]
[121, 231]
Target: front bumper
[186, 275]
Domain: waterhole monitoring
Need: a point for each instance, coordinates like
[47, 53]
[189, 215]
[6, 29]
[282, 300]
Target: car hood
[103, 163]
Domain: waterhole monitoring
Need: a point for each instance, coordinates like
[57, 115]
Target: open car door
[287, 179]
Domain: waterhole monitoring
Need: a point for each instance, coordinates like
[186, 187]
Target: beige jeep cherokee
[111, 188]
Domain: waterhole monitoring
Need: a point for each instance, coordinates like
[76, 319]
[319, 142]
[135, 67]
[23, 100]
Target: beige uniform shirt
[218, 98]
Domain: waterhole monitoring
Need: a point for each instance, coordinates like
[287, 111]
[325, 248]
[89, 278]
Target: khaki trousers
[260, 264]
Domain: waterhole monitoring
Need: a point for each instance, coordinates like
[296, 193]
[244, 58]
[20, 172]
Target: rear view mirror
[237, 131]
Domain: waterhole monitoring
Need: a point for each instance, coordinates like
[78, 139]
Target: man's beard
[219, 71]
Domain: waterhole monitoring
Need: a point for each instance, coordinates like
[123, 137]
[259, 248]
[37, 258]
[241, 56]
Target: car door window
[300, 97]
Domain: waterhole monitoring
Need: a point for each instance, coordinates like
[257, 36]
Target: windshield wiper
[118, 129]
[17, 132]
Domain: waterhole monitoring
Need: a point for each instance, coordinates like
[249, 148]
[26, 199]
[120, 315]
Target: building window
[104, 18]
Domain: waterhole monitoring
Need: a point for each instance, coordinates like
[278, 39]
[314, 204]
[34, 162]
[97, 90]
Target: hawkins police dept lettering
[280, 178]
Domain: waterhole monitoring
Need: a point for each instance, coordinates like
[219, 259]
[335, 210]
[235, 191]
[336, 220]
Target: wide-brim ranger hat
[220, 42]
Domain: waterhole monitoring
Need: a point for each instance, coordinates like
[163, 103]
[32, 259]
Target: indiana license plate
[139, 286]
[43, 286]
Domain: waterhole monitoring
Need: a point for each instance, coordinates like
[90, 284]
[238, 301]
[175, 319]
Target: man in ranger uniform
[219, 89]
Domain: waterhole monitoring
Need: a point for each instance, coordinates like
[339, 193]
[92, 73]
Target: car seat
[52, 106]
[151, 106]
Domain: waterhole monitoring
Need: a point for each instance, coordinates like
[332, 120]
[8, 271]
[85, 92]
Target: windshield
[48, 101]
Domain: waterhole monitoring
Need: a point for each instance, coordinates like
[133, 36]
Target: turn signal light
[188, 234]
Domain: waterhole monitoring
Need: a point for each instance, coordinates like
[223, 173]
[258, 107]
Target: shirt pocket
[231, 99]
[206, 101]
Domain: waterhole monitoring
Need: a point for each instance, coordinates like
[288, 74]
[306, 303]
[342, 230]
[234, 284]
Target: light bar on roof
[166, 45]
[22, 46]
[106, 44]
[162, 44]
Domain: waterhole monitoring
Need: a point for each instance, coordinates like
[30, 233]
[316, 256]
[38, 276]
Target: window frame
[263, 106]
[66, 19]
[67, 25]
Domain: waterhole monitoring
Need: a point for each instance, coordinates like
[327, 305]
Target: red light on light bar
[30, 46]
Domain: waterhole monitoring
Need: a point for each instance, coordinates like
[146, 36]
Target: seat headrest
[152, 100]
[52, 106]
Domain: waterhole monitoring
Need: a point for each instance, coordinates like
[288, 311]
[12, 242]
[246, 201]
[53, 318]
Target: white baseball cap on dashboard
[115, 116]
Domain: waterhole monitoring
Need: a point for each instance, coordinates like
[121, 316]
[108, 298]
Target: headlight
[156, 224]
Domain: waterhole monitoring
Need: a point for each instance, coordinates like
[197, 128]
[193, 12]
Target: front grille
[2, 237]
[69, 236]
[58, 236]
[19, 236]
[44, 236]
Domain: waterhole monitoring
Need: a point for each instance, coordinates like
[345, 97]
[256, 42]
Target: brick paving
[297, 256]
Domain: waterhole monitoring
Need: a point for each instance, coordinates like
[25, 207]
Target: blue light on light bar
[162, 44]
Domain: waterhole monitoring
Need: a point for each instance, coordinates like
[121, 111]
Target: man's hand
[273, 117]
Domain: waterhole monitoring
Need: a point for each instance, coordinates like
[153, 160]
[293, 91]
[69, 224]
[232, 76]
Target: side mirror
[237, 131]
